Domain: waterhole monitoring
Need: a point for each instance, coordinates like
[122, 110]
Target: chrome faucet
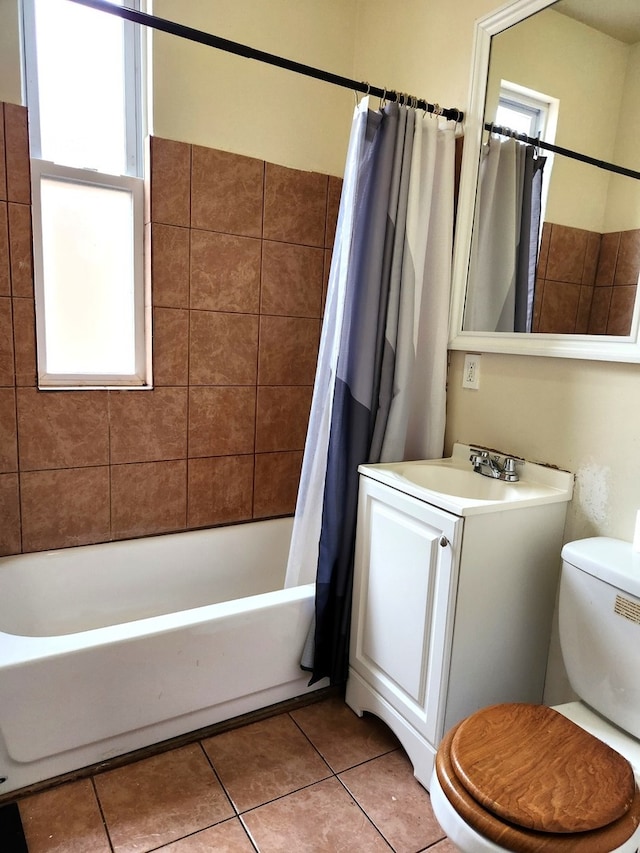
[491, 466]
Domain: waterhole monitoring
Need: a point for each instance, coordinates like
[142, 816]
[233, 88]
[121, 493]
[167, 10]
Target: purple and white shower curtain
[379, 392]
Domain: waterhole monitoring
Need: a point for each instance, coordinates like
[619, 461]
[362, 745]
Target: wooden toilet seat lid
[534, 768]
[521, 840]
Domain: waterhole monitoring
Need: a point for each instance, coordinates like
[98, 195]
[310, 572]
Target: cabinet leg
[361, 697]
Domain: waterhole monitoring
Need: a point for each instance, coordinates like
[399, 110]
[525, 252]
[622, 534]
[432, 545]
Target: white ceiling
[617, 18]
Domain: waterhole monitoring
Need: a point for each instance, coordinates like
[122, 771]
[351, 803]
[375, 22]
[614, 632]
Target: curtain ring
[383, 100]
[356, 92]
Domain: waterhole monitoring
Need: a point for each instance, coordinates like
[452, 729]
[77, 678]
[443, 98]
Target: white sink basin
[463, 483]
[453, 484]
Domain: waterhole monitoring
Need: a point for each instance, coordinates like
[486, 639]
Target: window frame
[131, 182]
[135, 188]
[531, 101]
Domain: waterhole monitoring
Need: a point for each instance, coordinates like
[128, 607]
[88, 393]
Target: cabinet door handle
[443, 541]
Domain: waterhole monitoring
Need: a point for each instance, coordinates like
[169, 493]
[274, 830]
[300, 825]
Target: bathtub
[108, 648]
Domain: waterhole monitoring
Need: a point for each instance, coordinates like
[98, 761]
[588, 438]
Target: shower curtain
[505, 239]
[379, 391]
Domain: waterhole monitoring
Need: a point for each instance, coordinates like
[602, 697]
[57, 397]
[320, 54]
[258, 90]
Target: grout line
[259, 316]
[220, 782]
[190, 236]
[247, 832]
[110, 464]
[302, 731]
[370, 819]
[11, 297]
[331, 775]
[102, 815]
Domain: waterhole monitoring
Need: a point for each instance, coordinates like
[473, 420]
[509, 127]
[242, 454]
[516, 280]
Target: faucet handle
[476, 457]
[509, 469]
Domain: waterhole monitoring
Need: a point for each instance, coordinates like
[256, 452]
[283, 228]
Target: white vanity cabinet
[453, 598]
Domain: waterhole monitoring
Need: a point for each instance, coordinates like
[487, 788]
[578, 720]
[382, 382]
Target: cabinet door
[403, 601]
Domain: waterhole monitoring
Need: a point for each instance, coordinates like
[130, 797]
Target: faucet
[491, 466]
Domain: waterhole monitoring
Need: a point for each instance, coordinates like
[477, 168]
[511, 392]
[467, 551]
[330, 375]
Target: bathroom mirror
[582, 58]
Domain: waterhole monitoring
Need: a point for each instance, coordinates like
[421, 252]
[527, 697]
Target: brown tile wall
[616, 283]
[586, 282]
[239, 251]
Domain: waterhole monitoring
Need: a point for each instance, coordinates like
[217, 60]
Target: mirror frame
[598, 347]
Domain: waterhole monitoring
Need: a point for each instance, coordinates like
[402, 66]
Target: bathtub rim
[20, 649]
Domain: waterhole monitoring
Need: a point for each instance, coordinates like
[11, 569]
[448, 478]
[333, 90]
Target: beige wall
[419, 46]
[10, 82]
[208, 97]
[543, 54]
[623, 209]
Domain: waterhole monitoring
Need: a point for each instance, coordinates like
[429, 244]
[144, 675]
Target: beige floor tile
[289, 799]
[227, 837]
[264, 760]
[395, 801]
[342, 738]
[320, 819]
[161, 799]
[64, 820]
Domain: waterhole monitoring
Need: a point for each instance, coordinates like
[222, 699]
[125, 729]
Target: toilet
[529, 778]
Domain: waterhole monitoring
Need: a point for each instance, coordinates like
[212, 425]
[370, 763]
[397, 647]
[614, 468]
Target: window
[83, 94]
[521, 116]
[527, 111]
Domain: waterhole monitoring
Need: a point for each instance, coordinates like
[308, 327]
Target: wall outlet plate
[471, 372]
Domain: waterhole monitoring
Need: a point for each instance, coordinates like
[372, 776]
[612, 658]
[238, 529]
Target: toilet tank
[599, 618]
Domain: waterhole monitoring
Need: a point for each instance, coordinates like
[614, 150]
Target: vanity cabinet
[452, 610]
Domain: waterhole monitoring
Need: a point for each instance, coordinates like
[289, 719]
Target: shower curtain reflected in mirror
[379, 392]
[506, 233]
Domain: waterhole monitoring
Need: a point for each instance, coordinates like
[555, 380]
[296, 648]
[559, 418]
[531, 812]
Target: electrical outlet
[471, 373]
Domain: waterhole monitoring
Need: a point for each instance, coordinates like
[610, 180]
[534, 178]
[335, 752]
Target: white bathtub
[108, 648]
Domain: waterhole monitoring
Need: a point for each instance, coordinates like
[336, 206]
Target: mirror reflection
[556, 241]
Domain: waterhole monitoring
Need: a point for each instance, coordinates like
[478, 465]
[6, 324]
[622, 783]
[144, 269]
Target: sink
[453, 484]
[447, 479]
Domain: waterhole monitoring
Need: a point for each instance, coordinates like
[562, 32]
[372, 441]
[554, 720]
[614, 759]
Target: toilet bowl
[525, 778]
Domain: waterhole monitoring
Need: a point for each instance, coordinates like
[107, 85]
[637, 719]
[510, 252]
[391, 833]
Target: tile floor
[316, 779]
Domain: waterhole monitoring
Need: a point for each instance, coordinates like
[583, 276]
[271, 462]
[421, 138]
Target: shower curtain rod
[210, 40]
[566, 152]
